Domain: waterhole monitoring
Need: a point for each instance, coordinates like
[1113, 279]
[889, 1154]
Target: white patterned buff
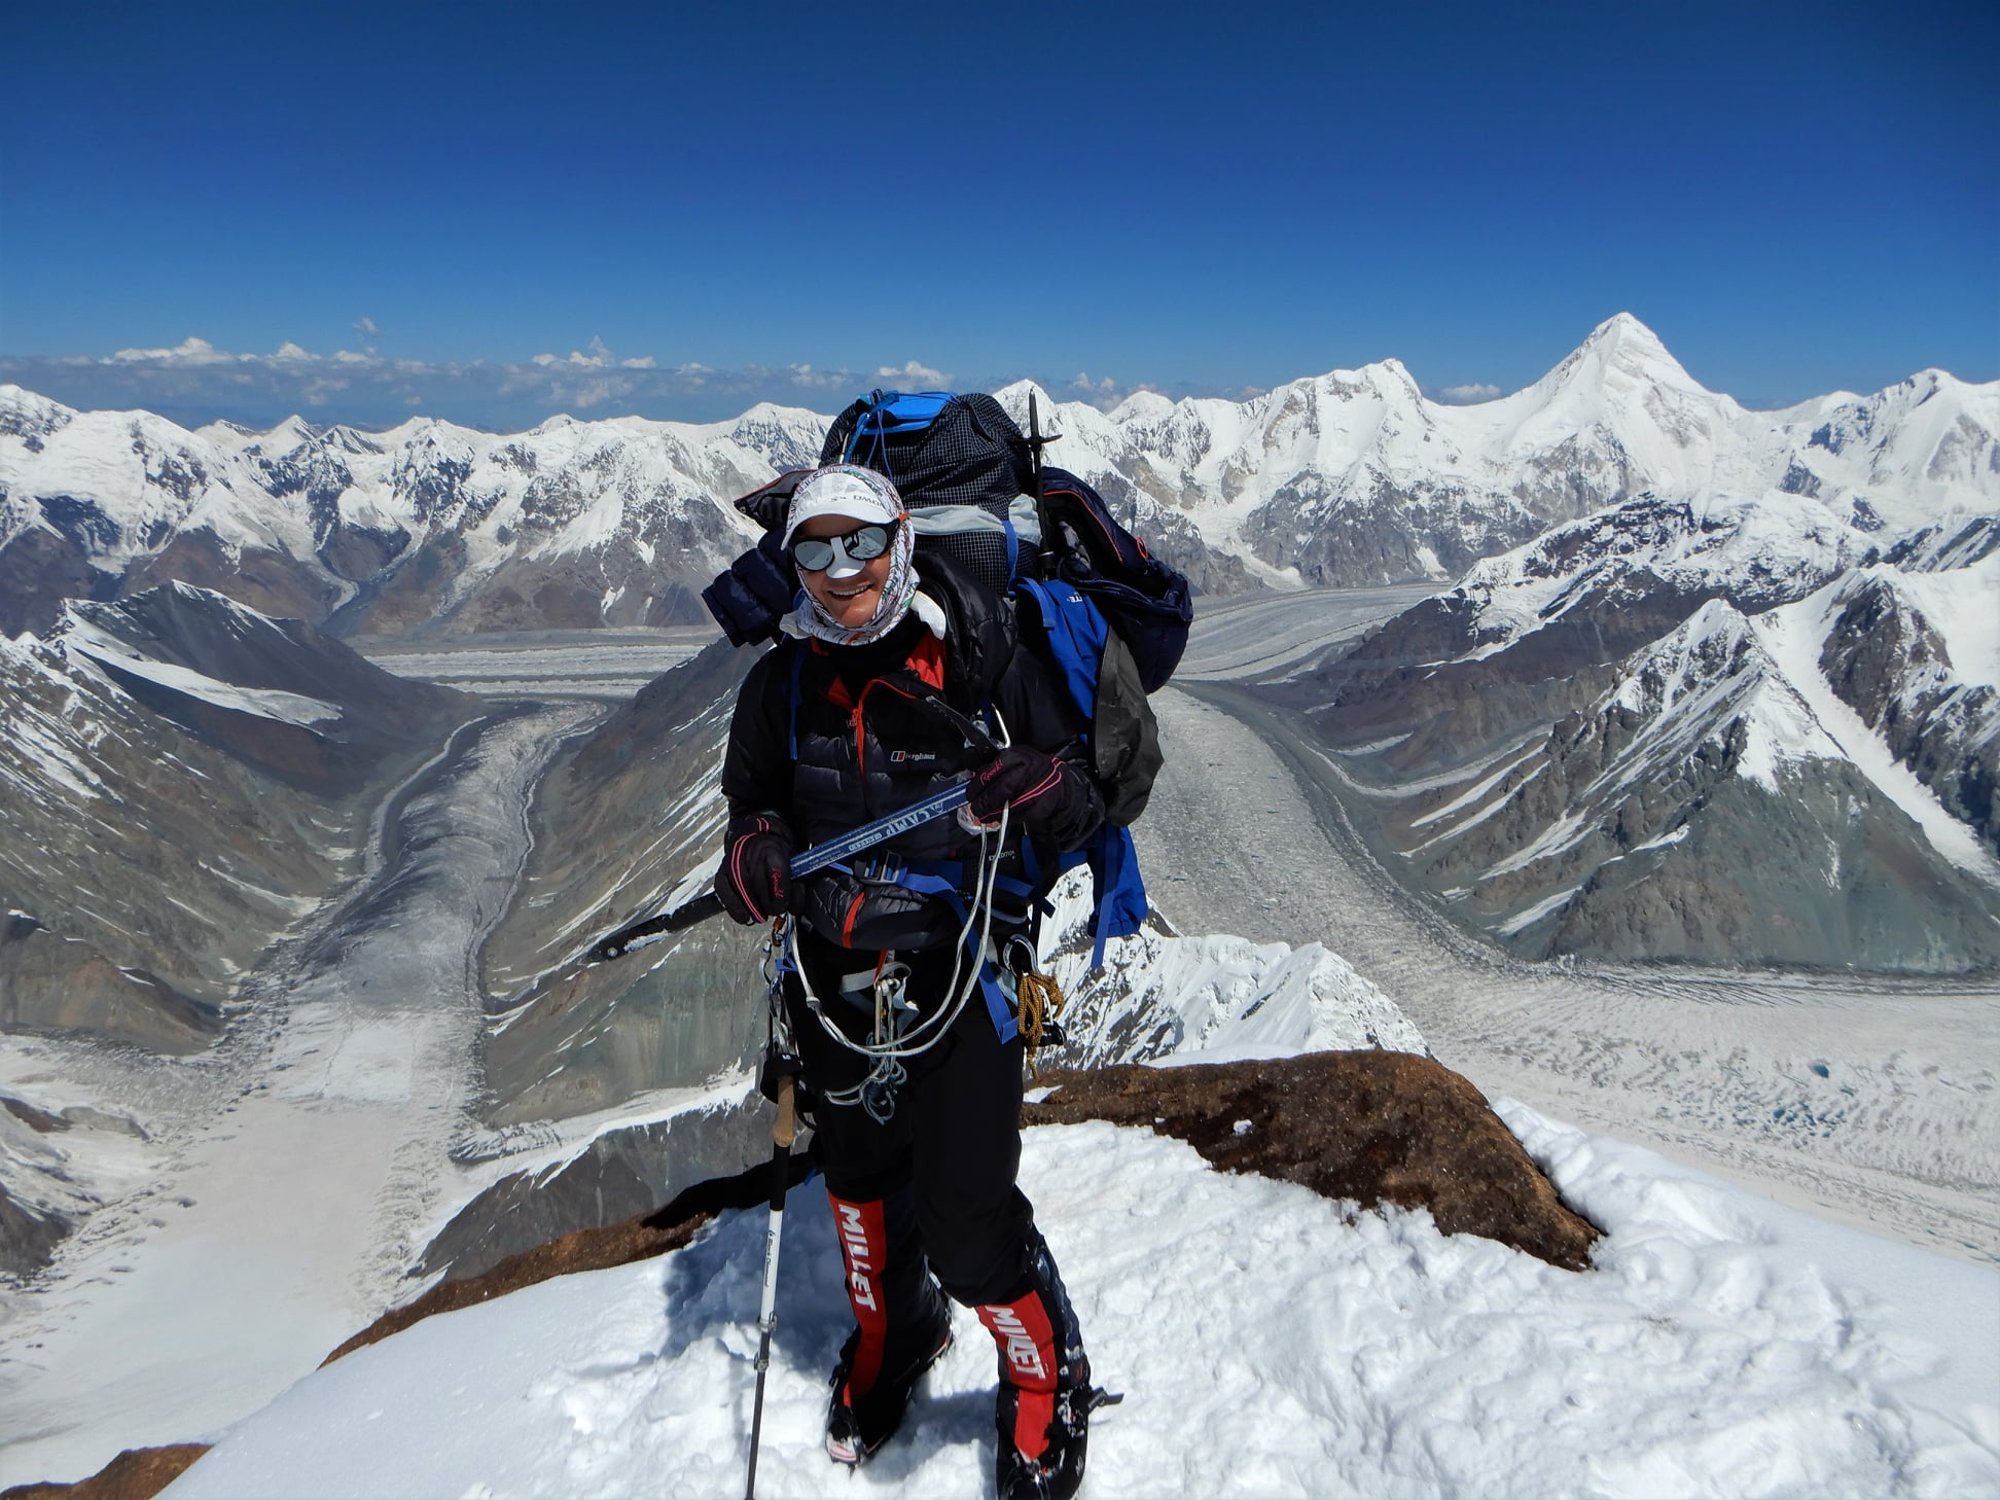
[882, 503]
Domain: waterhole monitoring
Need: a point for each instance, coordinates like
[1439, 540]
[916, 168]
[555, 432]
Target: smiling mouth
[854, 593]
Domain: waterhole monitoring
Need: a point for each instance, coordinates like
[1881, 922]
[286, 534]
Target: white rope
[893, 1048]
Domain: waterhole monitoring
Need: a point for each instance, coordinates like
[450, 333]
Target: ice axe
[655, 928]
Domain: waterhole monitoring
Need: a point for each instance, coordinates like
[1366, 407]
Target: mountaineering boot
[902, 1325]
[1046, 1397]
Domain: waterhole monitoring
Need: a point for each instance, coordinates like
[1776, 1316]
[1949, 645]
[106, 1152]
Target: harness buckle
[882, 868]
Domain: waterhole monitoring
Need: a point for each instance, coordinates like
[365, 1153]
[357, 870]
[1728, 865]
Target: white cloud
[190, 351]
[366, 328]
[195, 382]
[912, 371]
[807, 378]
[1467, 394]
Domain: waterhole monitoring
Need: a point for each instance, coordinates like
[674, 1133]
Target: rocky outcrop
[1371, 1127]
[135, 1474]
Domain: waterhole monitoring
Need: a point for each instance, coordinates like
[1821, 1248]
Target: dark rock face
[1936, 548]
[1890, 666]
[269, 582]
[1374, 1127]
[1639, 829]
[183, 627]
[27, 1239]
[38, 571]
[622, 1175]
[48, 984]
[1382, 532]
[1418, 675]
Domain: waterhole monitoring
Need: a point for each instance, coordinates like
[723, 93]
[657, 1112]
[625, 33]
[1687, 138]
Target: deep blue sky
[1795, 198]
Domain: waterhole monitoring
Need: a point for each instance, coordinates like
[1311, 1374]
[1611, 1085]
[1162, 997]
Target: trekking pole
[782, 1134]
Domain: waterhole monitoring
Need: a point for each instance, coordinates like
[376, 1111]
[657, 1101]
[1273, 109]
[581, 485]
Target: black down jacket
[826, 738]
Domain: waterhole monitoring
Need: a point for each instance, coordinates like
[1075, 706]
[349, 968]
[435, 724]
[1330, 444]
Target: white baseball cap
[843, 490]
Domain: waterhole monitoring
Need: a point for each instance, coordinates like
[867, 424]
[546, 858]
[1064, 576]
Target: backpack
[1110, 617]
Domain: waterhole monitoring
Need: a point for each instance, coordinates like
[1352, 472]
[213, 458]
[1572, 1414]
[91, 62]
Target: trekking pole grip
[786, 1129]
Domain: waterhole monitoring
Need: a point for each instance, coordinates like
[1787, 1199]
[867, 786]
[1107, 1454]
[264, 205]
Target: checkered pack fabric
[955, 450]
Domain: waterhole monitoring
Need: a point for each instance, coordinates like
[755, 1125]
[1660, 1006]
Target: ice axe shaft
[655, 928]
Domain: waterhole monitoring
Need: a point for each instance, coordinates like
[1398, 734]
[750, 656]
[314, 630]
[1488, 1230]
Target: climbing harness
[900, 1030]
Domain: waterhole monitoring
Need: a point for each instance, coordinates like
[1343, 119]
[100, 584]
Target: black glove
[1030, 782]
[755, 877]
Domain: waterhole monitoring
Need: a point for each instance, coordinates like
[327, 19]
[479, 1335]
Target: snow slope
[1268, 1342]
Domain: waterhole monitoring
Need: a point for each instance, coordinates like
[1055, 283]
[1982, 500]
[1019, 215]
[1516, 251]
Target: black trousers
[954, 1139]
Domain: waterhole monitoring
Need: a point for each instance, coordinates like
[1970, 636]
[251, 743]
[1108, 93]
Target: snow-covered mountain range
[1744, 731]
[1352, 477]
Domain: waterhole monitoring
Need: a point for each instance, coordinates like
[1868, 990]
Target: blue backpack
[1112, 618]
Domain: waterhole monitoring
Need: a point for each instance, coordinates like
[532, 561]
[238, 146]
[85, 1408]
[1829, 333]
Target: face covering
[811, 618]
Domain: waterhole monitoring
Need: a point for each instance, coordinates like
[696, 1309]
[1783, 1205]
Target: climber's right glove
[754, 880]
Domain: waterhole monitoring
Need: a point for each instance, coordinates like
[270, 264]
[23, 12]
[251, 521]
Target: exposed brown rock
[656, 1233]
[135, 1474]
[1375, 1127]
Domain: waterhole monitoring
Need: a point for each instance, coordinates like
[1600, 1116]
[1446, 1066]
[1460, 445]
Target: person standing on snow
[898, 977]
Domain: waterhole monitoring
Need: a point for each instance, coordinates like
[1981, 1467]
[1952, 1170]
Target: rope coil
[1041, 999]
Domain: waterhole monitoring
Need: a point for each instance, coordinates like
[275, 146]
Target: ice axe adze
[653, 929]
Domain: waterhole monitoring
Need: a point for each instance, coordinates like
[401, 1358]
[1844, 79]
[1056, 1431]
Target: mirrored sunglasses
[863, 544]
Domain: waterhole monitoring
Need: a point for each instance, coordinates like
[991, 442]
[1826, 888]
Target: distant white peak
[350, 440]
[33, 412]
[1015, 397]
[770, 411]
[560, 422]
[1142, 406]
[1395, 370]
[1621, 344]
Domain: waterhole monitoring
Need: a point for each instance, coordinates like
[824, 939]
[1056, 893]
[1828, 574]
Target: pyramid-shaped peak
[1624, 330]
[1620, 346]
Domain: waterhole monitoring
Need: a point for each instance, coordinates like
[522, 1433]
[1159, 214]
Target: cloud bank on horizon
[194, 382]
